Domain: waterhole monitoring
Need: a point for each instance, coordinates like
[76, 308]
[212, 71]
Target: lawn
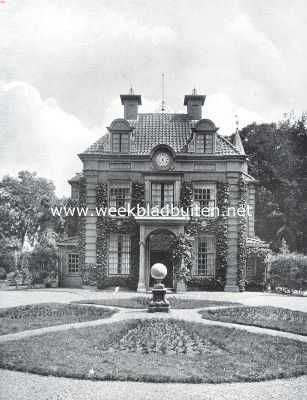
[157, 350]
[141, 302]
[266, 317]
[16, 319]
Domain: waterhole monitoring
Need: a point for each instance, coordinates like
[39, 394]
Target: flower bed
[16, 319]
[157, 350]
[265, 317]
[141, 302]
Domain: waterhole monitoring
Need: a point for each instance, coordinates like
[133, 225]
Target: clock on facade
[163, 159]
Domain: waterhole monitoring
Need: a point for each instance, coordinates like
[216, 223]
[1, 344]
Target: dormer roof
[152, 129]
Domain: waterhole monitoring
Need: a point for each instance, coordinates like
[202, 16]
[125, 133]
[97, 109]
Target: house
[153, 160]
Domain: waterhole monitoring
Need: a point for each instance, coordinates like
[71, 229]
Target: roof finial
[237, 122]
[194, 91]
[163, 104]
[237, 142]
[131, 91]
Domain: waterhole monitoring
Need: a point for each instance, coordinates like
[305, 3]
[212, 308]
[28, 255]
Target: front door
[164, 257]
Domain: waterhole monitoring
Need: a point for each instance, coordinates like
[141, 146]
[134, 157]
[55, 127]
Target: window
[120, 142]
[204, 194]
[251, 267]
[119, 254]
[162, 194]
[204, 143]
[73, 263]
[205, 256]
[119, 194]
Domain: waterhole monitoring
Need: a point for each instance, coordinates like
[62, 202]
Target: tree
[278, 160]
[24, 206]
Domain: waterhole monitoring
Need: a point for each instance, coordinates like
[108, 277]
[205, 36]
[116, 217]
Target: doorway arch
[159, 249]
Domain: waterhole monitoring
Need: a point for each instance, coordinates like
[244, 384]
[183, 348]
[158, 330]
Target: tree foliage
[24, 206]
[278, 160]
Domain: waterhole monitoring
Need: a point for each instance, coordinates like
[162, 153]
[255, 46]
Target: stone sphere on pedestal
[158, 271]
[158, 303]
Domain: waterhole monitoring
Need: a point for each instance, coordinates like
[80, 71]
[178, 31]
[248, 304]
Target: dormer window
[204, 143]
[205, 136]
[120, 131]
[120, 142]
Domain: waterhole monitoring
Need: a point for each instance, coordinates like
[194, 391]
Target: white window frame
[163, 192]
[120, 136]
[201, 142]
[119, 264]
[210, 268]
[76, 269]
[119, 185]
[212, 200]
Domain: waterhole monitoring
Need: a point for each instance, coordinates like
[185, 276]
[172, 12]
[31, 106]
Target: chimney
[131, 103]
[194, 103]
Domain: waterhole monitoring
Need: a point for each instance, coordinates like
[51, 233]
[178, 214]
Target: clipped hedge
[288, 270]
[204, 283]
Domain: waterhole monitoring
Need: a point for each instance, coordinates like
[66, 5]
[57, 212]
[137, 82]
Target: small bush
[2, 273]
[289, 270]
[129, 282]
[203, 283]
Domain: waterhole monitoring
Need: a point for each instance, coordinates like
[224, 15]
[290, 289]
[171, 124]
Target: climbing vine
[217, 226]
[242, 254]
[127, 225]
[186, 195]
[182, 256]
[81, 223]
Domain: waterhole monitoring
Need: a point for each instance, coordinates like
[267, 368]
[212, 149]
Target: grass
[265, 317]
[157, 350]
[16, 319]
[141, 302]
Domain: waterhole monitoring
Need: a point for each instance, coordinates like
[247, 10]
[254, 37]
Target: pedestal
[158, 303]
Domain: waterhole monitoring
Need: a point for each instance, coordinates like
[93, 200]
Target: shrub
[128, 281]
[7, 260]
[204, 283]
[2, 273]
[289, 270]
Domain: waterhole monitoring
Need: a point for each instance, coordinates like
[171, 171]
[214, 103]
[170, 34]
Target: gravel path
[14, 298]
[21, 386]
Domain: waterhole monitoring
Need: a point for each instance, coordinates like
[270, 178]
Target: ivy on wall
[218, 227]
[81, 223]
[242, 254]
[186, 195]
[106, 225]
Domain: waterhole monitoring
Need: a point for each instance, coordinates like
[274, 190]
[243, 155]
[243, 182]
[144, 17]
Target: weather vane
[163, 104]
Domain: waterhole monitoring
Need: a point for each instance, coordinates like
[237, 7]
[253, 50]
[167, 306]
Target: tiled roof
[256, 242]
[149, 130]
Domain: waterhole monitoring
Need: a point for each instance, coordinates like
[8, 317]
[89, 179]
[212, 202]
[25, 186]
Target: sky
[63, 65]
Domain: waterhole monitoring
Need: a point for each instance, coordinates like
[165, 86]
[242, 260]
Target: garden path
[24, 386]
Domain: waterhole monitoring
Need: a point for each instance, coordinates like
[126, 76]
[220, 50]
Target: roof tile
[152, 129]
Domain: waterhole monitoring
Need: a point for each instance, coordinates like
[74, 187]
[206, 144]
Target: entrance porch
[156, 237]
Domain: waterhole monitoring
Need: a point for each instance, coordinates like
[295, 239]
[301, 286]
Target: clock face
[163, 159]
